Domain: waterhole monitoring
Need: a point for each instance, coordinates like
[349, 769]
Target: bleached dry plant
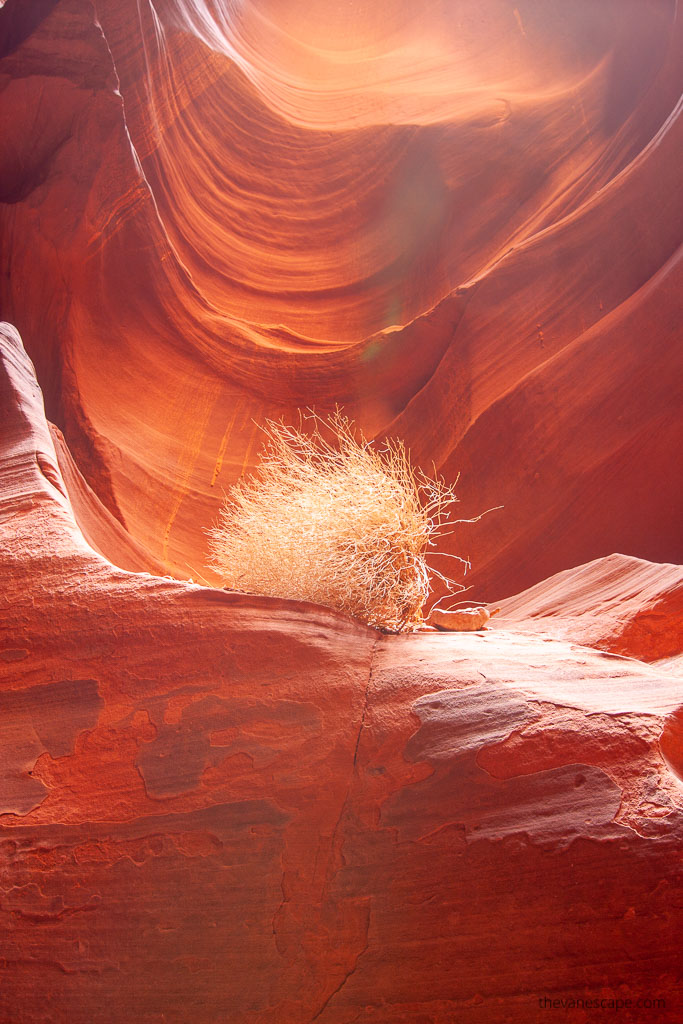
[329, 518]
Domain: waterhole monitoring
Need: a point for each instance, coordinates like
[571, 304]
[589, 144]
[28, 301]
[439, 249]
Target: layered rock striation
[464, 229]
[223, 807]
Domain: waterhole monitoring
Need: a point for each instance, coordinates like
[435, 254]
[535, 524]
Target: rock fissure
[354, 765]
[349, 973]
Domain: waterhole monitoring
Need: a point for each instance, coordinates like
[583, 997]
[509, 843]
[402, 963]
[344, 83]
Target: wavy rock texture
[217, 807]
[462, 226]
[463, 223]
[618, 604]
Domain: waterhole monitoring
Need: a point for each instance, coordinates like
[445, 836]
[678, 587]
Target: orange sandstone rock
[227, 221]
[618, 604]
[465, 229]
[220, 807]
[463, 619]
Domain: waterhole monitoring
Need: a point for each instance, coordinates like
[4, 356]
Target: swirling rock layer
[217, 807]
[463, 224]
[464, 229]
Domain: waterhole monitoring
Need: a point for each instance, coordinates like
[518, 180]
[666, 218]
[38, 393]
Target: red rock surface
[463, 227]
[618, 604]
[463, 223]
[218, 807]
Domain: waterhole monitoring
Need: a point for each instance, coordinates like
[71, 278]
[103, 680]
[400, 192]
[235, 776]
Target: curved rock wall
[219, 807]
[463, 227]
[462, 222]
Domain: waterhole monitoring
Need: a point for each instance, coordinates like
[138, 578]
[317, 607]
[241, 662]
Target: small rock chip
[463, 619]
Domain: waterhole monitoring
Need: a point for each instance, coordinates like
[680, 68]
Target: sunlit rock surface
[462, 222]
[618, 604]
[462, 225]
[219, 807]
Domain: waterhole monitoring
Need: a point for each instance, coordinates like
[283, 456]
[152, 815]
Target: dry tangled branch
[331, 519]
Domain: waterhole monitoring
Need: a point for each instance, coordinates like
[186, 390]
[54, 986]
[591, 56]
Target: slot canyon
[460, 222]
